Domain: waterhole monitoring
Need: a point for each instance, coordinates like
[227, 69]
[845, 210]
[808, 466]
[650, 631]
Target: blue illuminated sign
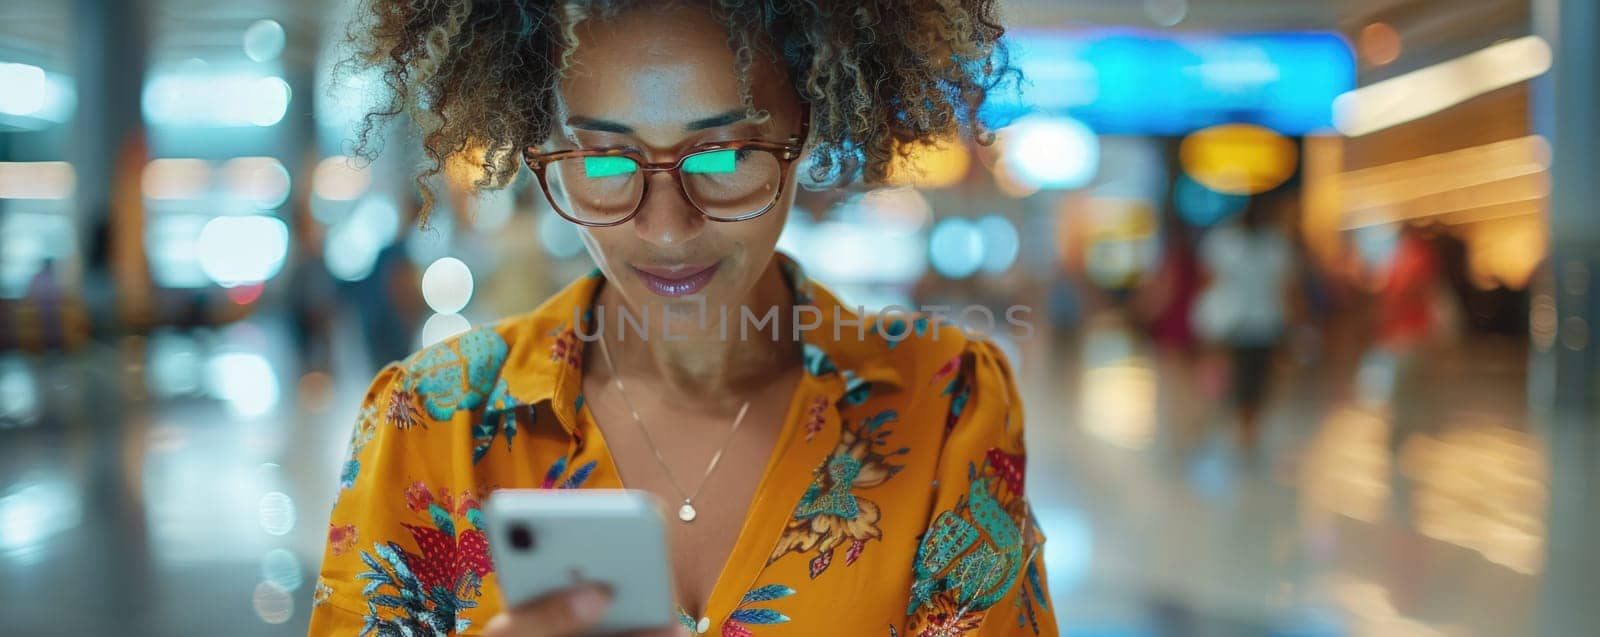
[1158, 83]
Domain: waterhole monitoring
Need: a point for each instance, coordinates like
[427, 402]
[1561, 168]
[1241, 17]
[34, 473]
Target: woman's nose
[666, 217]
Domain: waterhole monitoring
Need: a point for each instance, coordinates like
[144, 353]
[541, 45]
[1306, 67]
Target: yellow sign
[1239, 159]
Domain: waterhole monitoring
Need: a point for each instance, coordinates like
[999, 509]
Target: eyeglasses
[725, 181]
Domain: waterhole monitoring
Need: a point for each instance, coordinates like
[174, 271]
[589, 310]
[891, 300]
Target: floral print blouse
[893, 506]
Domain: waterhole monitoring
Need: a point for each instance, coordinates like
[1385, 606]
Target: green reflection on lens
[596, 167]
[716, 161]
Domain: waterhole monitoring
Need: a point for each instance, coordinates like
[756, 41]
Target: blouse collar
[549, 354]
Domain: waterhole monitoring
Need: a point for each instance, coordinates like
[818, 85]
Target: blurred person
[1167, 301]
[1410, 288]
[1243, 308]
[48, 298]
[1413, 310]
[1064, 305]
[870, 485]
[1408, 294]
[313, 293]
[1311, 309]
[387, 303]
[126, 260]
[1165, 308]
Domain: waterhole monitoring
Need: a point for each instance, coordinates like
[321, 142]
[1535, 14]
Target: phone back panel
[613, 537]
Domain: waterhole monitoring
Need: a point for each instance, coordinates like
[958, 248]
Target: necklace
[687, 512]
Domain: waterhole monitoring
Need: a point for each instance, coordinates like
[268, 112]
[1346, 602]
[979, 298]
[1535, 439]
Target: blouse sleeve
[391, 536]
[979, 568]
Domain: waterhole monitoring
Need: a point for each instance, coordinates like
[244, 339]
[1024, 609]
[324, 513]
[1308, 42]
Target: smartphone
[543, 541]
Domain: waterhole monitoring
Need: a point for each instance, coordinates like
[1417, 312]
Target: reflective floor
[178, 485]
[1387, 497]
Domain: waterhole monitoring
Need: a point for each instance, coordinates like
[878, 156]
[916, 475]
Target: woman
[1245, 305]
[829, 474]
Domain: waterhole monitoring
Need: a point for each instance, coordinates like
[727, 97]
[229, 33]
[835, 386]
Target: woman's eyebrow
[602, 125]
[724, 119]
[607, 126]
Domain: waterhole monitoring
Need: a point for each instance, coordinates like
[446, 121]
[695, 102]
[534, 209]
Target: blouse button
[703, 626]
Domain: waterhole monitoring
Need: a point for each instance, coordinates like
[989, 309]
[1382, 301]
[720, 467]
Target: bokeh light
[275, 513]
[1167, 13]
[245, 380]
[894, 210]
[194, 96]
[270, 101]
[315, 391]
[264, 40]
[1049, 152]
[1379, 44]
[956, 248]
[858, 254]
[1427, 91]
[1009, 185]
[37, 180]
[34, 510]
[25, 89]
[262, 182]
[447, 285]
[1001, 244]
[337, 178]
[246, 293]
[19, 393]
[271, 603]
[176, 178]
[282, 568]
[937, 164]
[240, 250]
[442, 326]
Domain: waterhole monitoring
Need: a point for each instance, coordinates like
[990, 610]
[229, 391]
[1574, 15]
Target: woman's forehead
[662, 70]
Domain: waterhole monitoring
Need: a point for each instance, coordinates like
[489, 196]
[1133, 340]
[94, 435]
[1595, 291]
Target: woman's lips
[677, 281]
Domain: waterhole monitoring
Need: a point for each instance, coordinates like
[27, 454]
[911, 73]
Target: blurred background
[1312, 284]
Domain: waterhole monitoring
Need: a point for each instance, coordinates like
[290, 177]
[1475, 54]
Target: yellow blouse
[892, 503]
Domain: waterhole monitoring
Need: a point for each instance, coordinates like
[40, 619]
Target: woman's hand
[569, 613]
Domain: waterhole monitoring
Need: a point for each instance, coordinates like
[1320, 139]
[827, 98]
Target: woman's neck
[715, 365]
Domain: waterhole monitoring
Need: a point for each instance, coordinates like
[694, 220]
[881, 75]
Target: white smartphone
[543, 541]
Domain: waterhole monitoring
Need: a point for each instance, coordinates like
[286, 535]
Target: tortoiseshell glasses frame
[784, 152]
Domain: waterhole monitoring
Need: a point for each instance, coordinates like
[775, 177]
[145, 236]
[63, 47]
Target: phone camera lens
[521, 538]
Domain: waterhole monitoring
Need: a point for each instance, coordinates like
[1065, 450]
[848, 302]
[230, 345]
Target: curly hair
[479, 76]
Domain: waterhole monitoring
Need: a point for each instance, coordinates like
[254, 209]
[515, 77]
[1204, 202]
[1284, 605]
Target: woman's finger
[564, 614]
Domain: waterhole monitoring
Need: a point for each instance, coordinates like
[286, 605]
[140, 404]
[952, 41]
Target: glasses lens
[729, 184]
[595, 189]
